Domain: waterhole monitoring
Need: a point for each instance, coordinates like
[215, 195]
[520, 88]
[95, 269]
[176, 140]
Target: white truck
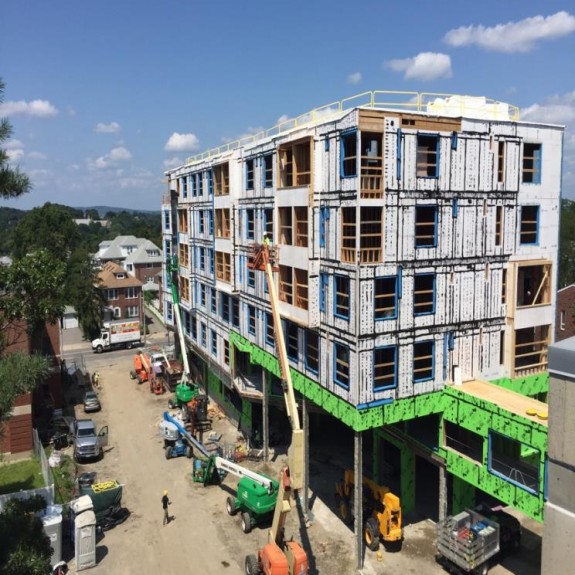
[118, 333]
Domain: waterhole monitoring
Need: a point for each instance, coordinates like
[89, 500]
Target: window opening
[529, 228]
[531, 173]
[531, 345]
[349, 155]
[222, 179]
[341, 365]
[348, 235]
[301, 226]
[301, 288]
[223, 267]
[384, 368]
[295, 164]
[423, 294]
[423, 361]
[251, 319]
[342, 294]
[425, 226]
[501, 162]
[223, 223]
[312, 350]
[286, 226]
[286, 284]
[385, 298]
[533, 285]
[371, 234]
[371, 165]
[498, 225]
[427, 156]
[250, 174]
[268, 171]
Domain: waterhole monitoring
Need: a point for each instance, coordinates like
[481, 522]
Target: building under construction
[418, 241]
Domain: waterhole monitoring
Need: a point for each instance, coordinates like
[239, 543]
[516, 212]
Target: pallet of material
[468, 539]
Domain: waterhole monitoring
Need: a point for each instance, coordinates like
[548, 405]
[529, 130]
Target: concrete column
[305, 490]
[358, 498]
[442, 493]
[265, 415]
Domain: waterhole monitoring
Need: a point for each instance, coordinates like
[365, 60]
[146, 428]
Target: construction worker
[96, 380]
[165, 503]
[266, 241]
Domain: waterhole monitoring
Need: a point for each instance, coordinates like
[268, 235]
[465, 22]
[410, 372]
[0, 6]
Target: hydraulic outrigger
[278, 556]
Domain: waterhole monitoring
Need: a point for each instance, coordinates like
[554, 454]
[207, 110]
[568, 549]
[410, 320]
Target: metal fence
[46, 492]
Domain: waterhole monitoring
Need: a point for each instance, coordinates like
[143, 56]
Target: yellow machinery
[381, 510]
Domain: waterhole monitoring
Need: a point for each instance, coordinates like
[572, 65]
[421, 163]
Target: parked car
[91, 402]
[89, 443]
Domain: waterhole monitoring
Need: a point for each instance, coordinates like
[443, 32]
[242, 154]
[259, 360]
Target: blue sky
[105, 96]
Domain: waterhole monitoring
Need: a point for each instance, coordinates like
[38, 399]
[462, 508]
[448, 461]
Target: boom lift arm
[172, 268]
[280, 556]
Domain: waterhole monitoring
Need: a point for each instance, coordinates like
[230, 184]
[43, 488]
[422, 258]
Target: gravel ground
[202, 538]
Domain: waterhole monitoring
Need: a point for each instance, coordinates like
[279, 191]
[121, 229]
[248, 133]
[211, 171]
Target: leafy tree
[83, 292]
[32, 289]
[50, 227]
[12, 182]
[23, 372]
[25, 548]
[567, 244]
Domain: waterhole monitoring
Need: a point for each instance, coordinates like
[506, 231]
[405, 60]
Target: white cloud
[15, 154]
[111, 128]
[425, 66]
[354, 78]
[111, 159]
[39, 108]
[173, 162]
[182, 143]
[247, 135]
[519, 36]
[12, 144]
[559, 109]
[282, 118]
[37, 156]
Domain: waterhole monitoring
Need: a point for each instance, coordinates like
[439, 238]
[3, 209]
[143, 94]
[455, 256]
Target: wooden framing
[222, 222]
[285, 226]
[348, 235]
[384, 367]
[499, 214]
[312, 350]
[222, 179]
[286, 284]
[301, 288]
[384, 297]
[185, 288]
[183, 221]
[371, 169]
[184, 255]
[300, 217]
[530, 351]
[371, 235]
[295, 161]
[533, 283]
[223, 267]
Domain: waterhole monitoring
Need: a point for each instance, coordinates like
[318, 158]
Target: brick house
[122, 292]
[140, 257]
[30, 408]
[564, 320]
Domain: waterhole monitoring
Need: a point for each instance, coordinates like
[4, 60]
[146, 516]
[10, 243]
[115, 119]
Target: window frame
[337, 348]
[393, 384]
[340, 306]
[531, 164]
[307, 355]
[387, 295]
[536, 223]
[348, 162]
[431, 303]
[419, 237]
[423, 154]
[430, 368]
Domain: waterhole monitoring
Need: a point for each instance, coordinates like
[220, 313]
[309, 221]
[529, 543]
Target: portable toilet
[52, 521]
[85, 540]
[77, 507]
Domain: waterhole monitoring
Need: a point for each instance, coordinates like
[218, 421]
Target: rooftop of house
[129, 249]
[113, 275]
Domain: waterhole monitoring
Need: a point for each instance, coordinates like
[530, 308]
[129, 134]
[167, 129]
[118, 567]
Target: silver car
[91, 402]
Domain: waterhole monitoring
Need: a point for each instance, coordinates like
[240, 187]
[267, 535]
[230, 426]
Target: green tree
[25, 548]
[50, 227]
[22, 372]
[12, 182]
[83, 292]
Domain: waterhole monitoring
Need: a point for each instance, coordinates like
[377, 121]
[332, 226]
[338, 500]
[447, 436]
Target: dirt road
[202, 538]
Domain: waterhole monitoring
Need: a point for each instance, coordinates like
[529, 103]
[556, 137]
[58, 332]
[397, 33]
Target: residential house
[140, 257]
[122, 292]
[565, 313]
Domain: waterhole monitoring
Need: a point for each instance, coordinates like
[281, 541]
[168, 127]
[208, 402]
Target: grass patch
[20, 476]
[64, 480]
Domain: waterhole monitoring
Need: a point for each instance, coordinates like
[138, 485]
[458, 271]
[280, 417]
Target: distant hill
[103, 210]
